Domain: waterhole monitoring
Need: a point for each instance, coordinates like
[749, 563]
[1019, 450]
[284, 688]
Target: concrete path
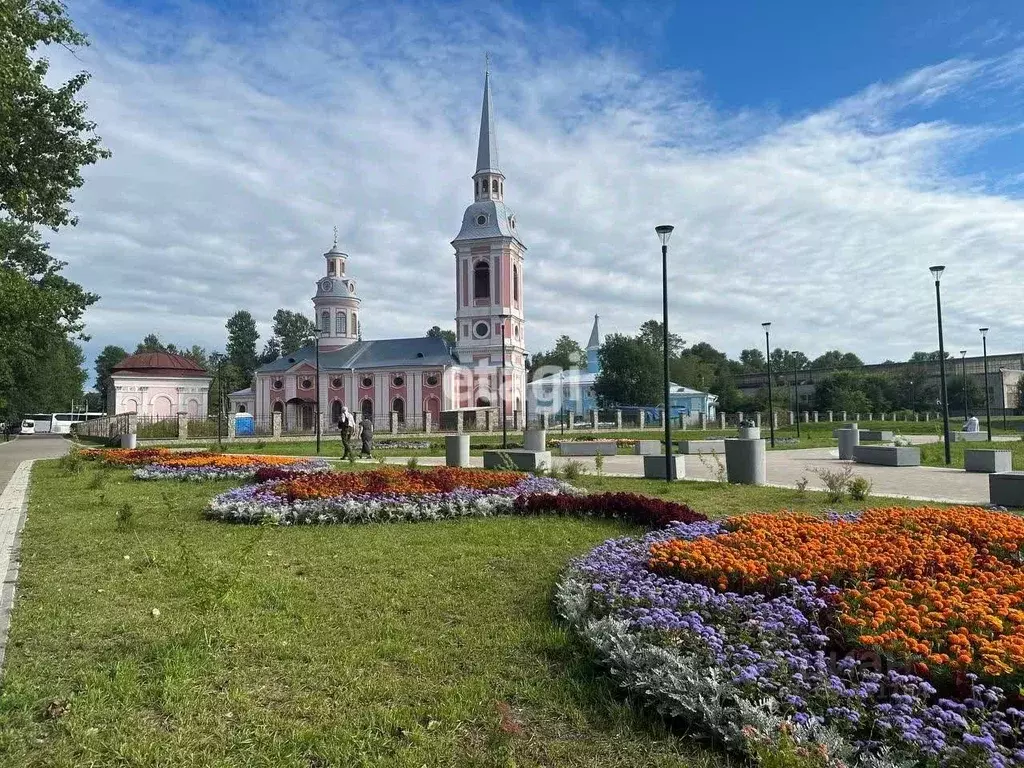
[16, 458]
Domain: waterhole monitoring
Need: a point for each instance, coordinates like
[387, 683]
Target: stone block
[692, 447]
[654, 467]
[848, 440]
[456, 451]
[1006, 489]
[589, 448]
[647, 448]
[535, 440]
[745, 461]
[870, 435]
[520, 458]
[887, 455]
[982, 460]
[968, 437]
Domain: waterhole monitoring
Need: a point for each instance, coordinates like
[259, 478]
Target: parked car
[28, 427]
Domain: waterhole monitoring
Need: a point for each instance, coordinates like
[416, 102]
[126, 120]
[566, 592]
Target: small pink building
[158, 384]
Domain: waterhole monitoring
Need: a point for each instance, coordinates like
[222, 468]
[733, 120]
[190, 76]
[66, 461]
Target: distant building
[158, 384]
[1005, 372]
[572, 390]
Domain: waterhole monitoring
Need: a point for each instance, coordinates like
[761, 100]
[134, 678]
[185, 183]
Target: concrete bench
[648, 448]
[982, 460]
[968, 437]
[1006, 489]
[870, 435]
[654, 467]
[520, 458]
[589, 448]
[887, 455]
[693, 447]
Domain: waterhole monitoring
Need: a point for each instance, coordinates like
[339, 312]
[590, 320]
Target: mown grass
[934, 455]
[401, 645]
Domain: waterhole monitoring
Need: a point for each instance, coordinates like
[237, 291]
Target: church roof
[595, 336]
[422, 351]
[487, 149]
[497, 221]
[164, 364]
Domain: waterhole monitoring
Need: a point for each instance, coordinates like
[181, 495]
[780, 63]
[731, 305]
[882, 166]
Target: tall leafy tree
[45, 137]
[631, 372]
[567, 353]
[926, 357]
[105, 362]
[271, 351]
[836, 359]
[241, 347]
[651, 333]
[753, 361]
[292, 330]
[443, 333]
[788, 359]
[152, 343]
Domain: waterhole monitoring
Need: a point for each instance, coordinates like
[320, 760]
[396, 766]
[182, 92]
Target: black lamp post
[988, 405]
[504, 414]
[220, 397]
[768, 357]
[316, 411]
[664, 232]
[796, 398]
[937, 274]
[963, 371]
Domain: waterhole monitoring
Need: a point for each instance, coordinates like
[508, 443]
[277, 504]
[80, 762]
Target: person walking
[366, 436]
[347, 427]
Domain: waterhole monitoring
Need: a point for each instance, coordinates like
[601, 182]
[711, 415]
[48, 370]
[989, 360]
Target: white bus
[59, 423]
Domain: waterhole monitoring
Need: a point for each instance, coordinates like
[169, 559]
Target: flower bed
[126, 457]
[212, 466]
[630, 507]
[890, 638]
[381, 495]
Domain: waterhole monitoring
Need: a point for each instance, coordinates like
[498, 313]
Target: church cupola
[336, 305]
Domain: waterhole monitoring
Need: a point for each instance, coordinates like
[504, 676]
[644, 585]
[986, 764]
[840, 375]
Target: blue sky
[807, 152]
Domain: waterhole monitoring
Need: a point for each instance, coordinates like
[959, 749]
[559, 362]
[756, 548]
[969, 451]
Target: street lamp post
[963, 372]
[988, 405]
[937, 274]
[664, 232]
[316, 411]
[796, 398]
[220, 398]
[504, 414]
[768, 357]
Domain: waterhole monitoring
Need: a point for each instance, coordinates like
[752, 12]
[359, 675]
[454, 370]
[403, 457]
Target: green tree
[292, 330]
[567, 353]
[446, 334]
[152, 343]
[975, 396]
[196, 354]
[45, 138]
[631, 372]
[105, 362]
[836, 359]
[651, 333]
[788, 360]
[753, 361]
[925, 357]
[241, 347]
[271, 351]
[841, 392]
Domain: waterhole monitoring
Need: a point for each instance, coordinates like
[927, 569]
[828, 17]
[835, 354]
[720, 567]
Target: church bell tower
[489, 304]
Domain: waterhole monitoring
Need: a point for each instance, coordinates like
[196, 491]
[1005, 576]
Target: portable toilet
[244, 424]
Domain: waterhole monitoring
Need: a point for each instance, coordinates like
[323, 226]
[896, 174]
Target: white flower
[156, 613]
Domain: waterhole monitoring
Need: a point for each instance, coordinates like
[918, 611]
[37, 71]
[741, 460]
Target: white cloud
[238, 147]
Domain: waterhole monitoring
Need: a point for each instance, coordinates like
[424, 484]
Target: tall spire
[595, 336]
[487, 150]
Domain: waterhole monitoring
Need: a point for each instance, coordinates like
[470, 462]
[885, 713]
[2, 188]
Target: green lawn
[933, 455]
[380, 645]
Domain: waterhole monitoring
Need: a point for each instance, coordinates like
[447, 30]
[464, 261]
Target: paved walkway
[16, 459]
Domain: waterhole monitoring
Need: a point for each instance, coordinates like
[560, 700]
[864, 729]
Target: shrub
[859, 488]
[632, 507]
[572, 470]
[836, 482]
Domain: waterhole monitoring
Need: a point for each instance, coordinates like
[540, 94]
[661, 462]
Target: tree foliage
[652, 334]
[753, 361]
[241, 347]
[631, 372]
[292, 330]
[105, 362]
[444, 333]
[837, 359]
[45, 138]
[567, 353]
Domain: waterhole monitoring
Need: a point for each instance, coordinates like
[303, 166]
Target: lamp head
[664, 232]
[984, 332]
[937, 271]
[963, 353]
[766, 326]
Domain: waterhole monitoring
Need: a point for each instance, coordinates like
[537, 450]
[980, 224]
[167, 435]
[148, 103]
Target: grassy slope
[401, 645]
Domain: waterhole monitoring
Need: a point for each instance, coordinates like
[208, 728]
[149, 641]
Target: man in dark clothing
[366, 435]
[347, 426]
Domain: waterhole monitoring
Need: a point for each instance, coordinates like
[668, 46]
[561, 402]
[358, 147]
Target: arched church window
[398, 406]
[494, 186]
[482, 280]
[341, 324]
[515, 282]
[325, 321]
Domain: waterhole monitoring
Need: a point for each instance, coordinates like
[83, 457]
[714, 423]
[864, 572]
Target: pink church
[417, 376]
